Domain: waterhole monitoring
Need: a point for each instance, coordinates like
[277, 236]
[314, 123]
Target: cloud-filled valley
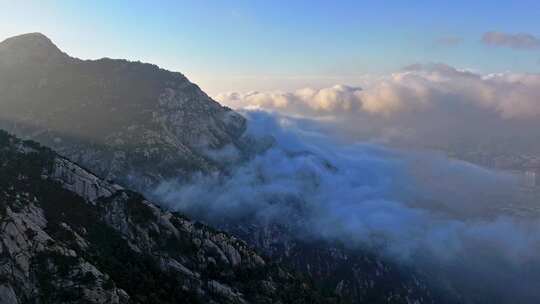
[417, 208]
[373, 179]
[342, 170]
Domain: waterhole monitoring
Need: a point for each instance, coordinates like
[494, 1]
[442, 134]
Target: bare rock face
[128, 121]
[81, 181]
[67, 236]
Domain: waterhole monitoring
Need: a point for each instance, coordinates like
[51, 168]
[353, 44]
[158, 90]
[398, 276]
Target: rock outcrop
[69, 237]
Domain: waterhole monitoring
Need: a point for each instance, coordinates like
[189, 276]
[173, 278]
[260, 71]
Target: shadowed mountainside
[125, 120]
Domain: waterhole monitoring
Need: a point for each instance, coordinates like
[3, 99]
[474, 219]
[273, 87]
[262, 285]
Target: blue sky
[283, 45]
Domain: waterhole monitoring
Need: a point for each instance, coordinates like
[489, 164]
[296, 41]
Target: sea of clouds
[327, 175]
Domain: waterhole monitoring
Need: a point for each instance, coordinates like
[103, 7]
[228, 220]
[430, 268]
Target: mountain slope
[140, 125]
[128, 121]
[69, 237]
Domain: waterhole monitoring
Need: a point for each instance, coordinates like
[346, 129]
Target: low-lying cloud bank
[416, 208]
[429, 105]
[415, 89]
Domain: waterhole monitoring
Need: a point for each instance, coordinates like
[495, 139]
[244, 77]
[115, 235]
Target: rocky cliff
[69, 237]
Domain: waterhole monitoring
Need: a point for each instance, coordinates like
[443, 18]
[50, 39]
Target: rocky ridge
[70, 237]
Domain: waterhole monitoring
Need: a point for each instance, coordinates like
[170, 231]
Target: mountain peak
[31, 47]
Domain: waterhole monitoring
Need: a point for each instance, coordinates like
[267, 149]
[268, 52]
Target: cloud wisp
[521, 41]
[448, 41]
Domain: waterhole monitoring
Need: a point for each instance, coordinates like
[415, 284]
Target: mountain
[129, 121]
[139, 125]
[68, 236]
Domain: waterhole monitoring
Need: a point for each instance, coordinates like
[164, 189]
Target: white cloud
[338, 98]
[426, 105]
[449, 41]
[417, 88]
